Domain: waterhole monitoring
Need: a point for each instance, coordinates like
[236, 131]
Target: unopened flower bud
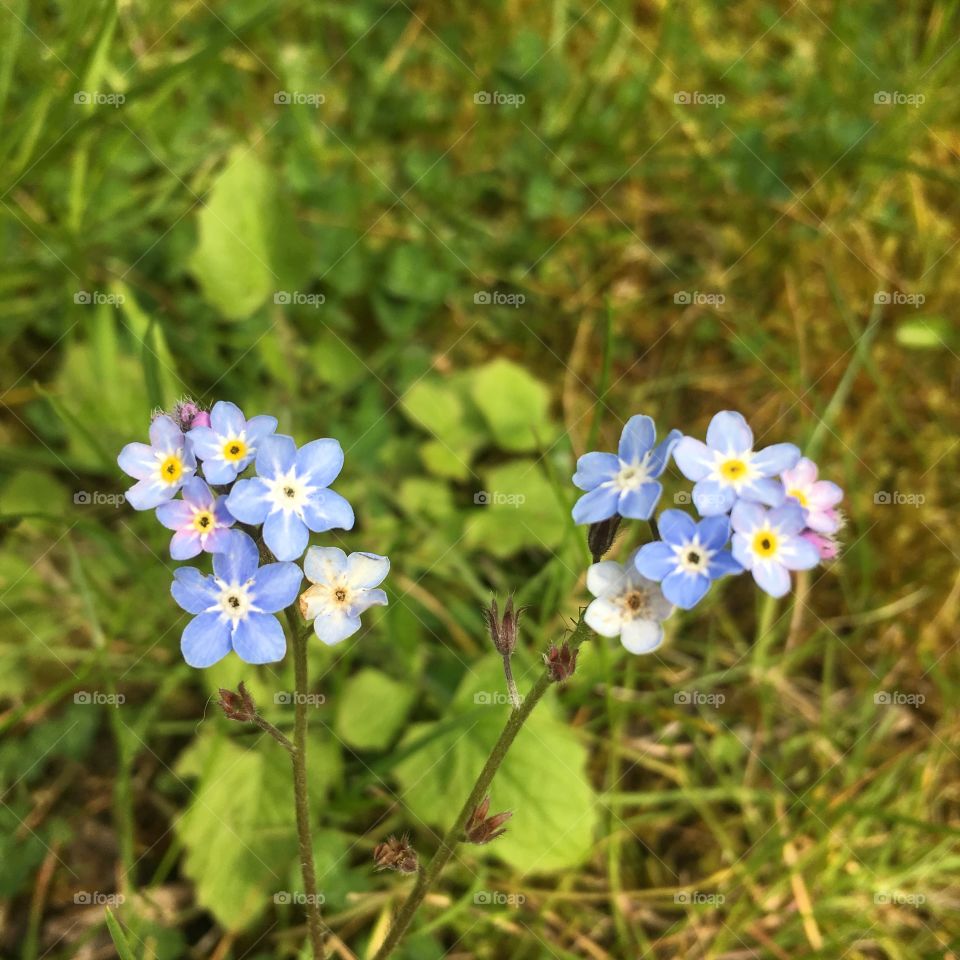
[394, 854]
[188, 414]
[482, 829]
[237, 705]
[600, 536]
[503, 632]
[561, 662]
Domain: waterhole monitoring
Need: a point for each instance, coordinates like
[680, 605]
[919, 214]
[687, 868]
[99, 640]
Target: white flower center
[693, 557]
[289, 493]
[636, 604]
[632, 476]
[235, 601]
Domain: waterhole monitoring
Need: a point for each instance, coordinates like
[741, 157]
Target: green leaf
[372, 708]
[924, 333]
[514, 404]
[542, 779]
[412, 274]
[247, 247]
[124, 950]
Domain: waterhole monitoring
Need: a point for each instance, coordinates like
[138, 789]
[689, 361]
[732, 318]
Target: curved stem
[426, 878]
[299, 757]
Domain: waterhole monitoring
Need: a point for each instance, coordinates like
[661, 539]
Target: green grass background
[475, 294]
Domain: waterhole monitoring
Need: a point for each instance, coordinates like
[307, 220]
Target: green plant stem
[511, 683]
[426, 878]
[267, 727]
[299, 757]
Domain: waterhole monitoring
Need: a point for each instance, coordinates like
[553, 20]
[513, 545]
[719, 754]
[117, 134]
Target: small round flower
[825, 544]
[624, 483]
[769, 544]
[818, 498]
[341, 589]
[229, 444]
[628, 605]
[161, 468]
[726, 468]
[200, 519]
[688, 558]
[234, 608]
[289, 495]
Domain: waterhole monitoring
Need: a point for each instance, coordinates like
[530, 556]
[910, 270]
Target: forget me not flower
[769, 544]
[234, 608]
[819, 498]
[201, 521]
[229, 444]
[727, 468]
[628, 605]
[289, 495]
[624, 483]
[688, 558]
[342, 588]
[161, 468]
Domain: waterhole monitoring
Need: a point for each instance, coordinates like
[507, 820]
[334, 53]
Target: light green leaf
[372, 708]
[542, 779]
[514, 404]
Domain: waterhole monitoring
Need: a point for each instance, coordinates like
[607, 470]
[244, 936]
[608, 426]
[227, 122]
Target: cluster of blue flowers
[760, 510]
[202, 456]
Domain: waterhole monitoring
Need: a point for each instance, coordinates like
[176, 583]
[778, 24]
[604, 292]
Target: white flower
[628, 606]
[342, 588]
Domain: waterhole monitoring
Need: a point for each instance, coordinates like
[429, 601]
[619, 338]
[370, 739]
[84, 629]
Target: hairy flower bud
[600, 536]
[237, 706]
[503, 631]
[394, 854]
[561, 662]
[482, 829]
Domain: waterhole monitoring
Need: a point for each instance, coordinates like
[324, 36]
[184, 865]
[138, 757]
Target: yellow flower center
[171, 469]
[203, 521]
[733, 469]
[764, 543]
[234, 450]
[799, 496]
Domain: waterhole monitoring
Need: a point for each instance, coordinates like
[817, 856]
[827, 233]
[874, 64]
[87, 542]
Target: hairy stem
[511, 683]
[427, 877]
[267, 727]
[299, 758]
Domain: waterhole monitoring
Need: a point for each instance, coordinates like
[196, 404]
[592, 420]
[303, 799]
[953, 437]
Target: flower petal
[742, 553]
[205, 442]
[325, 565]
[259, 427]
[788, 519]
[193, 591]
[185, 545]
[327, 510]
[772, 578]
[799, 554]
[656, 560]
[712, 498]
[276, 454]
[641, 636]
[197, 493]
[676, 527]
[730, 433]
[802, 475]
[248, 501]
[606, 578]
[685, 589]
[714, 532]
[275, 586]
[147, 494]
[205, 640]
[366, 570]
[604, 617]
[365, 599]
[320, 461]
[746, 516]
[776, 458]
[332, 628]
[694, 458]
[175, 514]
[221, 471]
[138, 461]
[258, 638]
[165, 435]
[638, 437]
[595, 468]
[660, 456]
[722, 564]
[824, 494]
[639, 504]
[227, 419]
[217, 540]
[285, 534]
[238, 562]
[599, 504]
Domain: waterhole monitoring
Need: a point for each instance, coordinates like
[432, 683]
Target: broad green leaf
[543, 778]
[436, 407]
[372, 707]
[443, 460]
[413, 274]
[517, 509]
[514, 404]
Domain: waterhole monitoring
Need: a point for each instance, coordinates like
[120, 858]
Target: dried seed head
[394, 854]
[239, 705]
[503, 631]
[600, 536]
[561, 662]
[482, 829]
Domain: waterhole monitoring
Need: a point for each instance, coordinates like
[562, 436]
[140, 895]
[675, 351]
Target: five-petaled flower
[289, 495]
[819, 498]
[624, 483]
[229, 444]
[200, 519]
[688, 558]
[769, 544]
[341, 589]
[161, 468]
[628, 605]
[235, 607]
[727, 468]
